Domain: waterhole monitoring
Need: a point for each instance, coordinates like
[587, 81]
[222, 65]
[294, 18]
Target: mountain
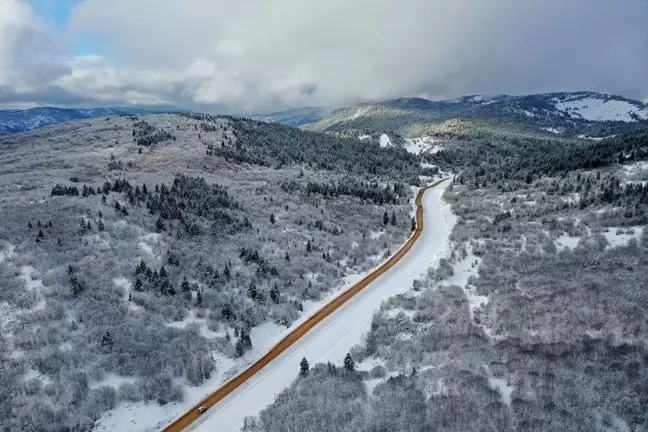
[13, 121]
[293, 117]
[569, 114]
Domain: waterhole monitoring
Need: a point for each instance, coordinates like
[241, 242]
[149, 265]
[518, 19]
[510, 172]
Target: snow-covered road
[332, 339]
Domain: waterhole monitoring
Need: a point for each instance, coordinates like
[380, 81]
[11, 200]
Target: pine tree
[107, 341]
[349, 364]
[163, 273]
[138, 284]
[70, 269]
[252, 291]
[272, 218]
[413, 224]
[227, 273]
[274, 293]
[385, 218]
[88, 226]
[29, 225]
[101, 225]
[41, 235]
[287, 257]
[309, 247]
[199, 299]
[303, 367]
[39, 225]
[184, 286]
[59, 242]
[159, 225]
[393, 218]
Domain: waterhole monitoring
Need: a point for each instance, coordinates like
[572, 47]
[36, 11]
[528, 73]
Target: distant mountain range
[293, 117]
[569, 114]
[13, 121]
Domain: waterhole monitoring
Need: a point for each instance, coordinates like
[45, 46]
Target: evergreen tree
[309, 247]
[303, 367]
[272, 218]
[163, 273]
[393, 218]
[41, 235]
[107, 341]
[138, 284]
[413, 224]
[59, 242]
[101, 225]
[70, 269]
[252, 291]
[185, 285]
[227, 273]
[199, 298]
[29, 225]
[159, 225]
[287, 257]
[274, 293]
[385, 218]
[349, 364]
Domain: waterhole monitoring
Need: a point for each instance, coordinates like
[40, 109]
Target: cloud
[254, 55]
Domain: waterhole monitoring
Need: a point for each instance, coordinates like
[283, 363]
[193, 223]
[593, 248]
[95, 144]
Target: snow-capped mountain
[13, 121]
[573, 114]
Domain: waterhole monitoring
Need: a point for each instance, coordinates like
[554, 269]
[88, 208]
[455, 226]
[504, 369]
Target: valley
[146, 260]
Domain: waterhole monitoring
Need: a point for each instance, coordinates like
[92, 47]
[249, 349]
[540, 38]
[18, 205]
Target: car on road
[202, 409]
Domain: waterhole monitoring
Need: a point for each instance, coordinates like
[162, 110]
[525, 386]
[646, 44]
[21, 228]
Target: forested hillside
[534, 320]
[144, 257]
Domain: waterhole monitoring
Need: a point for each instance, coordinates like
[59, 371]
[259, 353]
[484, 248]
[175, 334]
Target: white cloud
[255, 55]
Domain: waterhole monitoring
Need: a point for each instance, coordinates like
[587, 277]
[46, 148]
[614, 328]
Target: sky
[245, 56]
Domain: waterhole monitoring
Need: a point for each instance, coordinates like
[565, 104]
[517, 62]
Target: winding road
[328, 334]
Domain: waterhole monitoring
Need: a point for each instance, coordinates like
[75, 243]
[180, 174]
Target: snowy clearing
[594, 109]
[385, 141]
[424, 144]
[335, 336]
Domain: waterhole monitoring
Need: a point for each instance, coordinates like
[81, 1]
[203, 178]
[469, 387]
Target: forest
[533, 322]
[144, 256]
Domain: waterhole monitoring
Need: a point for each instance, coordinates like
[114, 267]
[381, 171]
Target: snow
[150, 241]
[565, 241]
[332, 339]
[385, 141]
[364, 137]
[424, 144]
[621, 237]
[502, 387]
[126, 285]
[595, 109]
[112, 380]
[150, 417]
[551, 129]
[201, 323]
[7, 253]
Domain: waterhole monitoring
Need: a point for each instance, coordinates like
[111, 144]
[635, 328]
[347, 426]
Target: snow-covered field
[595, 109]
[332, 339]
[426, 144]
[385, 141]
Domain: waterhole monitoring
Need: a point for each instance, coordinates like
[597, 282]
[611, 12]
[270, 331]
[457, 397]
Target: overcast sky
[264, 55]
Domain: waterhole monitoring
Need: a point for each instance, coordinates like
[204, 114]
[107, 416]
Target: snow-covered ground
[595, 109]
[332, 339]
[426, 144]
[385, 141]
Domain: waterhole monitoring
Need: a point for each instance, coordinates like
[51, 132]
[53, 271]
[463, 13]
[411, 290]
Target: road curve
[229, 387]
